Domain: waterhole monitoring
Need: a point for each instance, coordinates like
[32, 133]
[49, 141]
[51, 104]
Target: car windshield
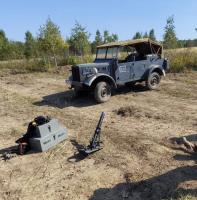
[101, 53]
[112, 52]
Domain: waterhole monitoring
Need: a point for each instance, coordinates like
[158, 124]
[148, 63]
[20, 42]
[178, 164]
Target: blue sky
[123, 17]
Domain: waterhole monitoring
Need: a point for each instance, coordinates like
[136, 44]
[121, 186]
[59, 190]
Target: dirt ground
[136, 162]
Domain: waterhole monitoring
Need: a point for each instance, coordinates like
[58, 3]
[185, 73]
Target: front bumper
[75, 84]
[85, 84]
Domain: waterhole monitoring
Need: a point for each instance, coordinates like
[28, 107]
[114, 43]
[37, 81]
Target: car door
[139, 68]
[124, 72]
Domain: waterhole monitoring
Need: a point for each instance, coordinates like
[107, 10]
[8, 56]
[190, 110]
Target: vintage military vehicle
[120, 63]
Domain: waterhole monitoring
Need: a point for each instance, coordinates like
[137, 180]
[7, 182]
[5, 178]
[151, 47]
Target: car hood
[104, 64]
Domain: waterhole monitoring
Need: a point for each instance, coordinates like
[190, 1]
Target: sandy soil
[136, 162]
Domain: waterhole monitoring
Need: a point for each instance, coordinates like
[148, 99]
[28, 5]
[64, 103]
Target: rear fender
[158, 69]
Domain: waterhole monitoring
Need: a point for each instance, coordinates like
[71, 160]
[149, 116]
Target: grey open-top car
[120, 63]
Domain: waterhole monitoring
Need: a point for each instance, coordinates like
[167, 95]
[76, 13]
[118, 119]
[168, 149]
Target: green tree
[50, 40]
[107, 38]
[79, 40]
[145, 35]
[152, 35]
[10, 49]
[170, 39]
[137, 35]
[15, 50]
[98, 38]
[4, 46]
[97, 41]
[114, 37]
[30, 45]
[3, 37]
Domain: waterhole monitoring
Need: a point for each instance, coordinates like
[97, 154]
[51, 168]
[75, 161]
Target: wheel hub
[104, 92]
[154, 81]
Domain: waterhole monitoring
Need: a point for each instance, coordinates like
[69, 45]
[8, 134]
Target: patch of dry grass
[182, 196]
[139, 112]
[182, 60]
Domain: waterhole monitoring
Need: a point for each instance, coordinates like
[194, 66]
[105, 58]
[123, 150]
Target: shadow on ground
[157, 188]
[77, 156]
[66, 99]
[165, 186]
[12, 151]
[137, 88]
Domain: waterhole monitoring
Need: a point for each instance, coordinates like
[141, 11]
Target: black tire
[153, 81]
[102, 92]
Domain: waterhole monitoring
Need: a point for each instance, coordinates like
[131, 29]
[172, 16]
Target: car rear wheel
[102, 92]
[153, 81]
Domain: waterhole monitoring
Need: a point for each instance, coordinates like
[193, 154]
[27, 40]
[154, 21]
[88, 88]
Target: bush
[23, 66]
[41, 65]
[73, 60]
[182, 60]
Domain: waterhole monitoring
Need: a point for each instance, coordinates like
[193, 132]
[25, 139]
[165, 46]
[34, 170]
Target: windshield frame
[106, 53]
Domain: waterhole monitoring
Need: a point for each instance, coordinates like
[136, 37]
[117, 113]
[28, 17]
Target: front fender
[91, 79]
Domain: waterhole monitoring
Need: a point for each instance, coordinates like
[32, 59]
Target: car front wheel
[153, 81]
[102, 92]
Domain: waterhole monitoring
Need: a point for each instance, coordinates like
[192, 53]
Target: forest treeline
[50, 48]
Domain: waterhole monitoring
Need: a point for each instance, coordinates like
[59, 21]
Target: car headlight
[94, 70]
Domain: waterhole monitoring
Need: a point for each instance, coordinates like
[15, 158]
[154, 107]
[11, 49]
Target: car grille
[75, 73]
